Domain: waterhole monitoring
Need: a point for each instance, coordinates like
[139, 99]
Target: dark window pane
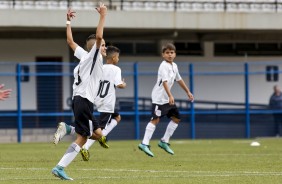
[146, 49]
[245, 46]
[180, 46]
[249, 49]
[125, 48]
[268, 46]
[189, 49]
[224, 49]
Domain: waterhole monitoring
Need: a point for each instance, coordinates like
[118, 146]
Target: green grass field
[198, 161]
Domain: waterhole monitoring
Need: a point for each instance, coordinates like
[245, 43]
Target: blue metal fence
[191, 111]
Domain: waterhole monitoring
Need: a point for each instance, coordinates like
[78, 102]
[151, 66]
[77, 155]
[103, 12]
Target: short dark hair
[92, 36]
[168, 46]
[112, 50]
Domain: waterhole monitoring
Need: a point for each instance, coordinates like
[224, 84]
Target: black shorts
[106, 117]
[158, 111]
[85, 122]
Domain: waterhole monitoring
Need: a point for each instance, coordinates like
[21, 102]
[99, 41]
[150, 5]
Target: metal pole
[68, 4]
[121, 4]
[192, 110]
[19, 110]
[247, 101]
[110, 4]
[137, 122]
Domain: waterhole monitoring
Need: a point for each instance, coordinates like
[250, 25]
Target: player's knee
[155, 121]
[97, 134]
[176, 120]
[80, 140]
[118, 118]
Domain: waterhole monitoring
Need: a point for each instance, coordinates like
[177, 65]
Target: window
[251, 49]
[137, 48]
[224, 49]
[125, 48]
[268, 49]
[146, 48]
[189, 49]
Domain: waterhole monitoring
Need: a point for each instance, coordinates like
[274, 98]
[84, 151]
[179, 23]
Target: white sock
[150, 128]
[70, 154]
[88, 144]
[110, 126]
[72, 130]
[169, 131]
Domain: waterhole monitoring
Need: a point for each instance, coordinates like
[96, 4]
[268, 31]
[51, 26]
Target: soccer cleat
[166, 147]
[85, 154]
[103, 142]
[59, 172]
[62, 130]
[146, 149]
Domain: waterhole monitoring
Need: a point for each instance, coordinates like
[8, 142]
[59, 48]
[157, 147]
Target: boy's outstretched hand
[102, 9]
[70, 14]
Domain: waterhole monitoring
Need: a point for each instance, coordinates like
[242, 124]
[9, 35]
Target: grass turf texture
[198, 161]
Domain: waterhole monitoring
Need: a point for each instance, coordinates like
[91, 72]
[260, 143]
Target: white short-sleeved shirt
[90, 72]
[106, 98]
[167, 72]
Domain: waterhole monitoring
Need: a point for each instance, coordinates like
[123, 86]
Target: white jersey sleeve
[163, 73]
[79, 52]
[178, 76]
[117, 78]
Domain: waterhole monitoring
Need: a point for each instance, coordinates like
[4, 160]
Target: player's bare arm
[102, 10]
[71, 43]
[186, 89]
[167, 90]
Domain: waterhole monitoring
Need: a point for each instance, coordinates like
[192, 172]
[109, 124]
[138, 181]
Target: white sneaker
[60, 133]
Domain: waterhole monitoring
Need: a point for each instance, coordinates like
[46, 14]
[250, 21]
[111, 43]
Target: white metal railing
[151, 5]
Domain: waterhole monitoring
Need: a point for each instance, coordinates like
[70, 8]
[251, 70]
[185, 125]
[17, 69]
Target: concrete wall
[144, 20]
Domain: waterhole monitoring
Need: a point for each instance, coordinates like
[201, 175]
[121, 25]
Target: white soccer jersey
[88, 73]
[167, 72]
[106, 98]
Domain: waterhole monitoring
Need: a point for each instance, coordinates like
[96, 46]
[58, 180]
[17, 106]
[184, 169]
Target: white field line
[235, 154]
[187, 173]
[135, 177]
[139, 177]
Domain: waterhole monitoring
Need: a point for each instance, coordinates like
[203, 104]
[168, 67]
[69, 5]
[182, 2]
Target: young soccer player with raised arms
[163, 101]
[87, 75]
[105, 101]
